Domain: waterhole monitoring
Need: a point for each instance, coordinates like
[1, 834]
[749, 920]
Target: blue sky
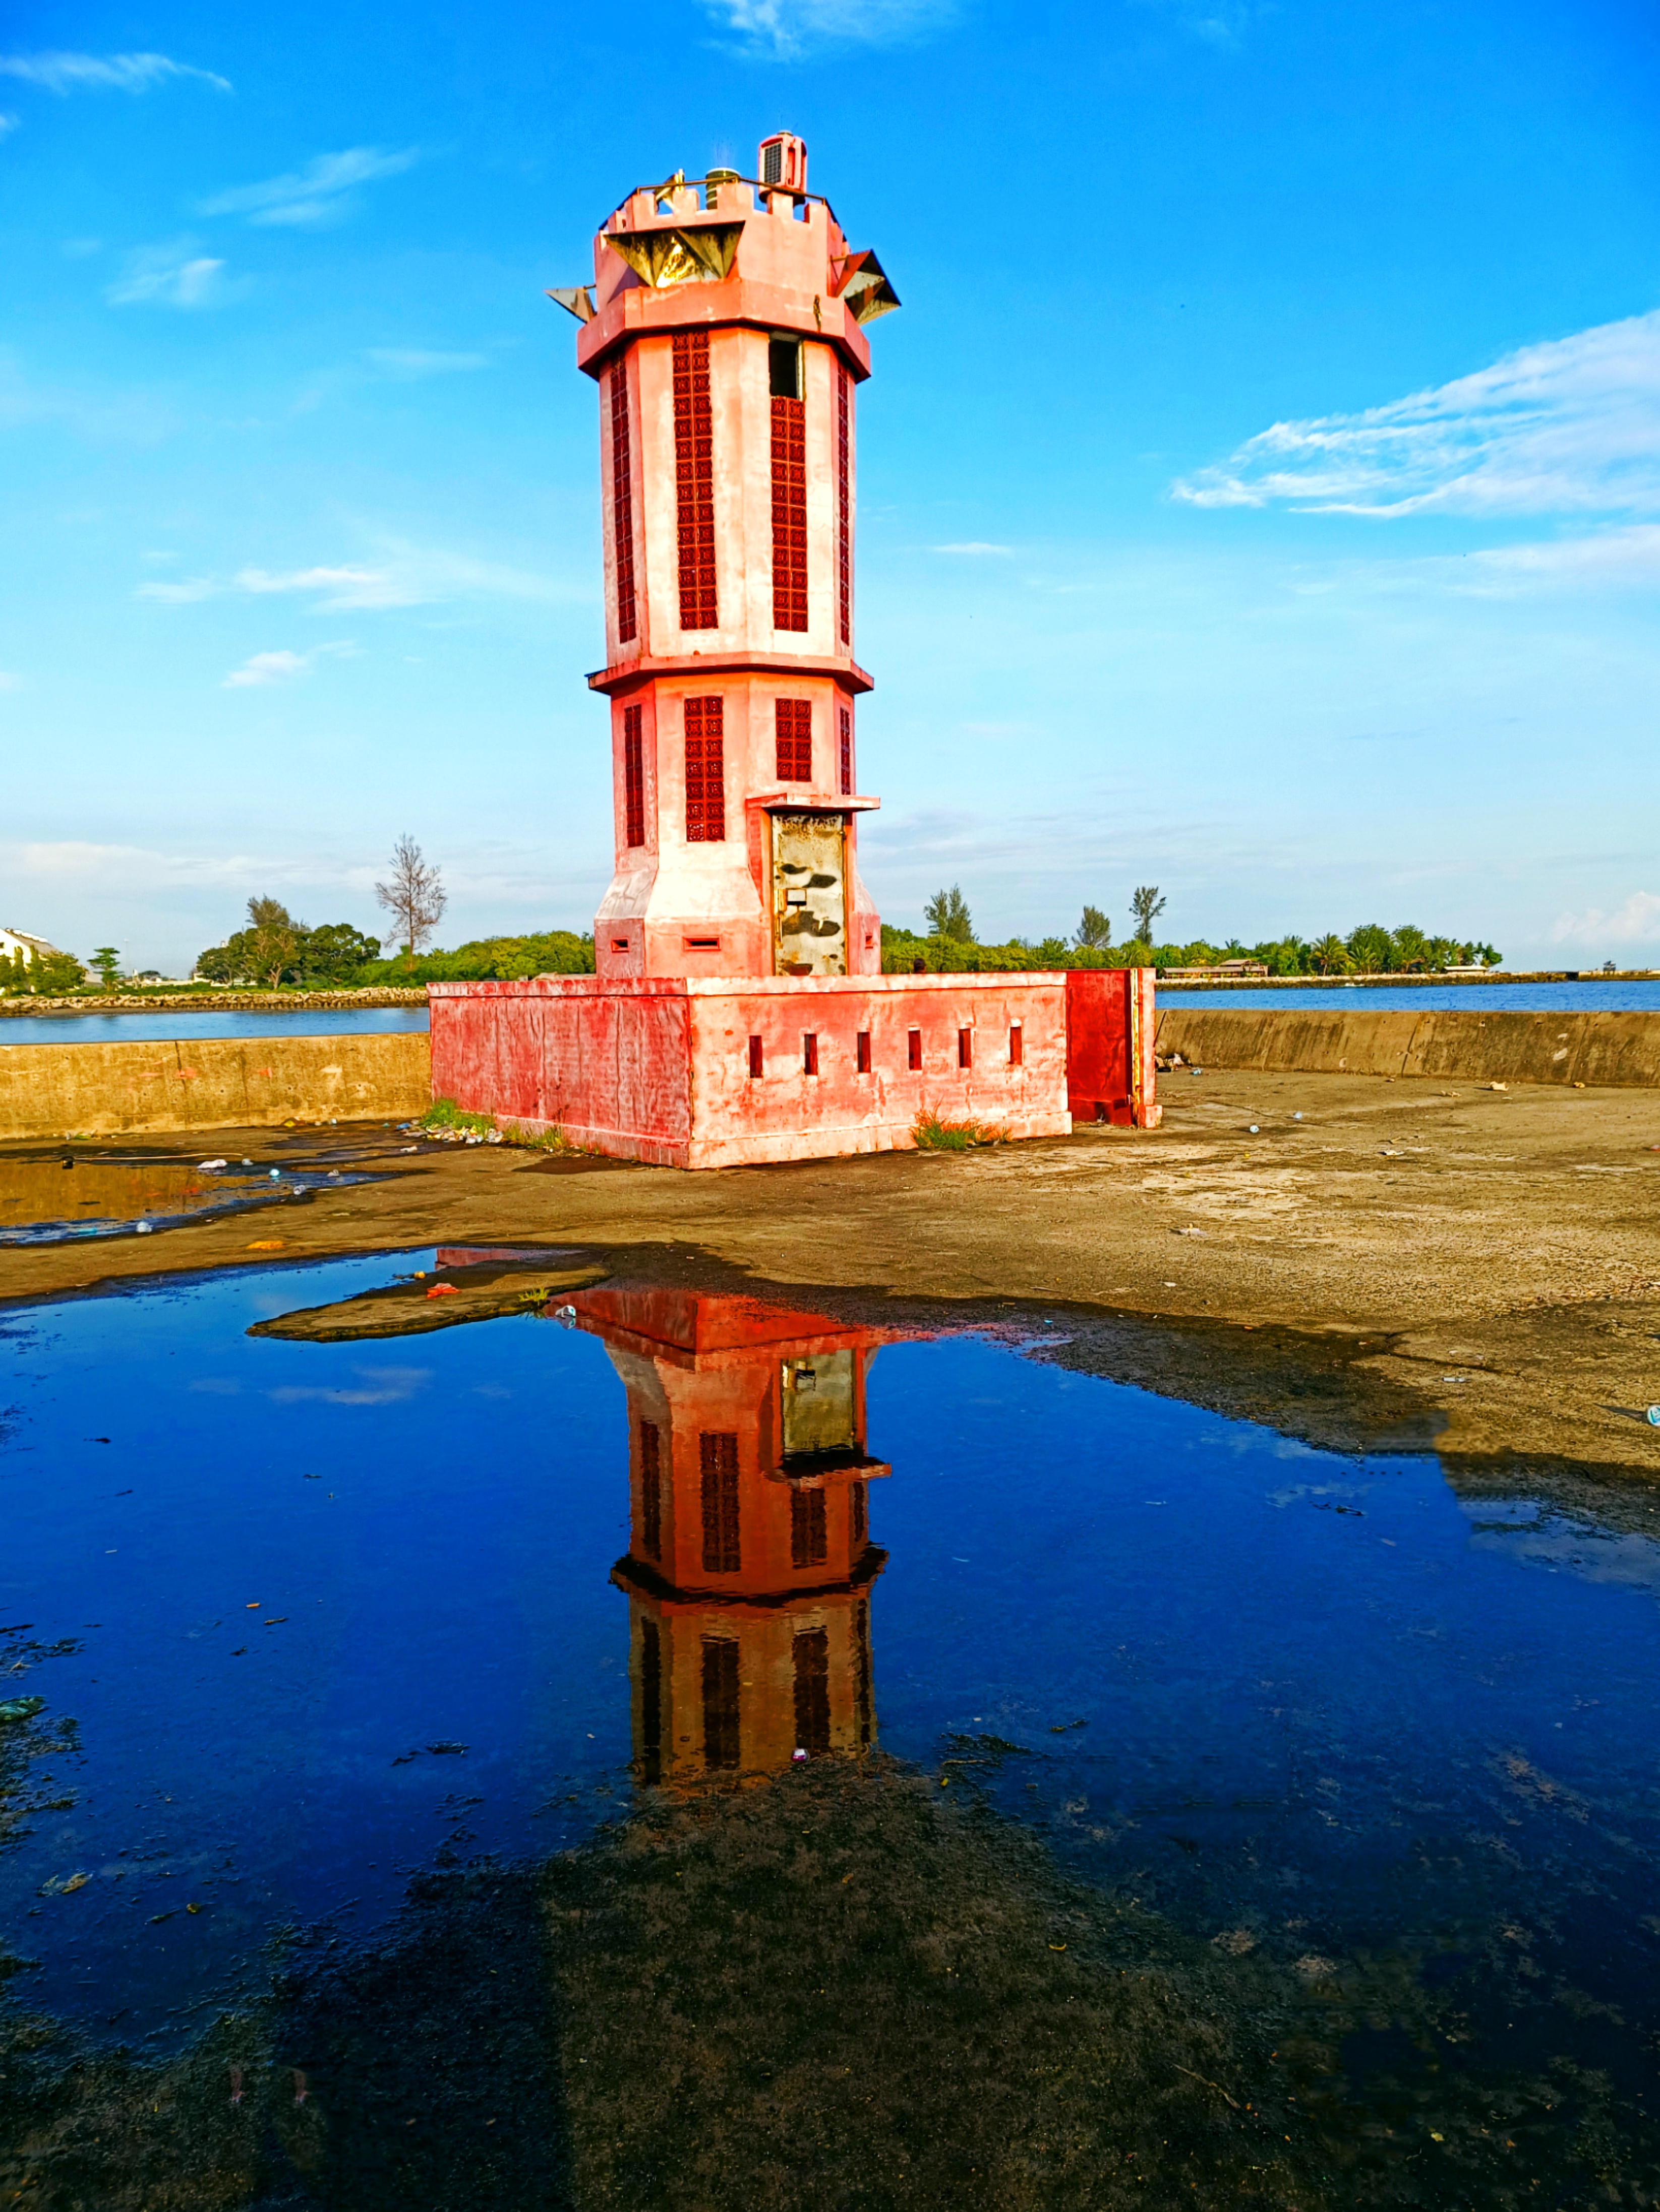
[1260, 489]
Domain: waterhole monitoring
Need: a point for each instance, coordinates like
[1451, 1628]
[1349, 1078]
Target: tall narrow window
[651, 1702]
[809, 1544]
[789, 509]
[706, 772]
[861, 1048]
[847, 752]
[634, 773]
[651, 1491]
[794, 740]
[810, 1054]
[966, 1048]
[813, 1713]
[721, 1552]
[867, 1703]
[719, 1701]
[857, 1526]
[844, 509]
[622, 506]
[757, 1062]
[1016, 1047]
[694, 480]
[915, 1041]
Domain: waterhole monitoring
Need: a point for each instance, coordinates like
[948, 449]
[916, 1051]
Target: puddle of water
[707, 1741]
[67, 1194]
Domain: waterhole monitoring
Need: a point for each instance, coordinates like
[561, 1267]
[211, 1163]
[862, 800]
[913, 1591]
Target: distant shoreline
[1442, 982]
[216, 1002]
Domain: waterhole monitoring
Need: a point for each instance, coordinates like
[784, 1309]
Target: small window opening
[915, 1044]
[702, 944]
[1016, 1047]
[966, 1048]
[809, 1054]
[864, 1052]
[755, 1056]
[619, 945]
[784, 368]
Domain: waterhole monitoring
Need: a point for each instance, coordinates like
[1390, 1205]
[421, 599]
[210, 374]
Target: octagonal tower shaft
[724, 330]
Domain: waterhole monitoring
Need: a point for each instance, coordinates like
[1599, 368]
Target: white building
[14, 941]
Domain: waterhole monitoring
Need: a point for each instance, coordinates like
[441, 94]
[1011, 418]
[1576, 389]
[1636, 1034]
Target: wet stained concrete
[1409, 1262]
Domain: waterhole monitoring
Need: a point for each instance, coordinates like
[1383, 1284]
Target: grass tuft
[934, 1133]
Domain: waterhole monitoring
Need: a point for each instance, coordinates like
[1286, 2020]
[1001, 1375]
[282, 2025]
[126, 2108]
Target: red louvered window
[844, 507]
[706, 772]
[694, 480]
[621, 507]
[794, 729]
[718, 1458]
[847, 752]
[634, 773]
[790, 513]
[651, 1490]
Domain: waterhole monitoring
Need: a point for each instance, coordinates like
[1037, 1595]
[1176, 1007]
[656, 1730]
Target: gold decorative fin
[678, 253]
[576, 300]
[861, 282]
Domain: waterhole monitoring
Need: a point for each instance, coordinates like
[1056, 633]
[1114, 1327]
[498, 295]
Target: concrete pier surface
[1412, 1264]
[1476, 1045]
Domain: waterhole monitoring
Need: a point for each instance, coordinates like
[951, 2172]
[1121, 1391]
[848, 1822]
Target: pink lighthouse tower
[738, 1014]
[725, 330]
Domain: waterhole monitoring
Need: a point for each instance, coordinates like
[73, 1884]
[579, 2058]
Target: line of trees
[949, 943]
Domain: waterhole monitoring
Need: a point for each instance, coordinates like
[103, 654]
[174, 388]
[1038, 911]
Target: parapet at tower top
[724, 249]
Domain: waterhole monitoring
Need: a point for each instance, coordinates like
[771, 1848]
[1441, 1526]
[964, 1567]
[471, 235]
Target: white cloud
[973, 545]
[1636, 923]
[1604, 558]
[63, 73]
[783, 28]
[412, 361]
[319, 193]
[406, 576]
[380, 1386]
[171, 276]
[263, 668]
[1570, 426]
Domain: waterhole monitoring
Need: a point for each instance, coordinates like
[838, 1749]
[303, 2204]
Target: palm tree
[1146, 905]
[1330, 955]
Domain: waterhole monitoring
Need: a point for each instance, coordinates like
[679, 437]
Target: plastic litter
[797, 1756]
[247, 1163]
[206, 1167]
[21, 1709]
[142, 1228]
[1654, 1416]
[1296, 1117]
[565, 1313]
[276, 1175]
[1254, 1131]
[443, 1291]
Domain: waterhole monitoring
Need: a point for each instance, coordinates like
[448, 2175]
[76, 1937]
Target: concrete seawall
[209, 1082]
[1622, 1049]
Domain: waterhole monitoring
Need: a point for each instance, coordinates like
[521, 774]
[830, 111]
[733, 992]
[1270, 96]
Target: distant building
[1229, 970]
[14, 941]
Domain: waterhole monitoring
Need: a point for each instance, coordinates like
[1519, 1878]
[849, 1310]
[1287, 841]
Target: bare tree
[415, 897]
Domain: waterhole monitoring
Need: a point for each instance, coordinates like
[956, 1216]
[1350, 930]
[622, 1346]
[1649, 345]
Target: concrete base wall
[209, 1082]
[659, 1068]
[1622, 1049]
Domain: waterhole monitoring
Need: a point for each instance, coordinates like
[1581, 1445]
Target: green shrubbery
[1371, 950]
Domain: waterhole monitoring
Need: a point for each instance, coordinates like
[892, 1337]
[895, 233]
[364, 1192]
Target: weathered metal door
[810, 894]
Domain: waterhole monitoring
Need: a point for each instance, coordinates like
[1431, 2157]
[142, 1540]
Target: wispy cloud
[63, 73]
[1570, 426]
[1216, 22]
[1636, 923]
[171, 276]
[406, 576]
[321, 192]
[8, 124]
[410, 361]
[783, 28]
[377, 1386]
[264, 668]
[973, 545]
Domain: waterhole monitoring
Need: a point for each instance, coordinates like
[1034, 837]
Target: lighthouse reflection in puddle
[750, 1564]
